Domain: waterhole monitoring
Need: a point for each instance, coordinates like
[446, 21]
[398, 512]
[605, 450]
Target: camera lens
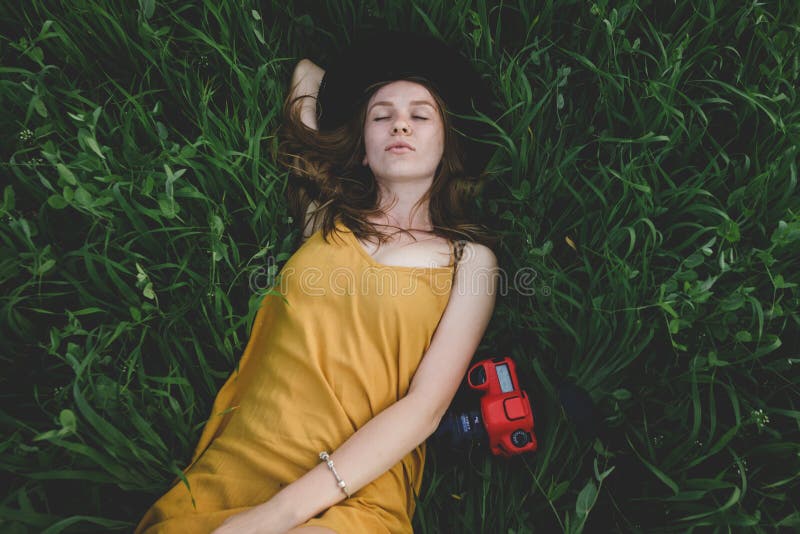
[460, 429]
[520, 438]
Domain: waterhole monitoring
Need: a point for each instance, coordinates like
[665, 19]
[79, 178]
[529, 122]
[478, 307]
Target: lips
[399, 145]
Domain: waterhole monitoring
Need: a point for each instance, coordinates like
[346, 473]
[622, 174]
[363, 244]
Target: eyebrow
[413, 103]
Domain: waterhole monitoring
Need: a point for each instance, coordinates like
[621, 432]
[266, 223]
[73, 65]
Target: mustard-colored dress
[336, 343]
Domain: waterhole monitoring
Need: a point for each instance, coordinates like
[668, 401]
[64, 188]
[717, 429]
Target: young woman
[356, 356]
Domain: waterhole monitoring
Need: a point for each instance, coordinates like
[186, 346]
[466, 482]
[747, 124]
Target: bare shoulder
[477, 273]
[476, 255]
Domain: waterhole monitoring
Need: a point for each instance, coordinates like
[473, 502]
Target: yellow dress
[336, 343]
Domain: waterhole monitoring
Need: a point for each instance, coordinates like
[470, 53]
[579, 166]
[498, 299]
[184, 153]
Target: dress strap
[458, 250]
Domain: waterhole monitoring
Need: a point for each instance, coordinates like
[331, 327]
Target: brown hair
[326, 167]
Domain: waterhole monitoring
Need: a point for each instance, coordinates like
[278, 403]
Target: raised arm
[305, 83]
[384, 440]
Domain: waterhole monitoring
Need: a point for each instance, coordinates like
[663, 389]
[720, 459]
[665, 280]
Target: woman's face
[403, 112]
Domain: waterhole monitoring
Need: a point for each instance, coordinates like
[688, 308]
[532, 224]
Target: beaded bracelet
[339, 482]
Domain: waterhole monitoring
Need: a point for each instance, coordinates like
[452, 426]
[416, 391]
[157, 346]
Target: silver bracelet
[339, 482]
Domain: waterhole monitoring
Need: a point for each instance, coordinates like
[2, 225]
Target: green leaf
[92, 142]
[743, 336]
[68, 420]
[523, 192]
[45, 266]
[39, 106]
[586, 499]
[169, 208]
[791, 520]
[66, 174]
[82, 196]
[37, 55]
[714, 361]
[161, 130]
[729, 231]
[96, 115]
[259, 35]
[621, 394]
[140, 274]
[45, 435]
[558, 490]
[544, 250]
[656, 471]
[667, 307]
[218, 227]
[9, 199]
[57, 202]
[732, 302]
[602, 476]
[147, 7]
[780, 283]
[148, 291]
[695, 259]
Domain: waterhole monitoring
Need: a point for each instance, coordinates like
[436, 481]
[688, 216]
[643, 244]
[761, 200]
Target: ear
[364, 161]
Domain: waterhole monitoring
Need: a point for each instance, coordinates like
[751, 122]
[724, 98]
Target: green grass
[141, 199]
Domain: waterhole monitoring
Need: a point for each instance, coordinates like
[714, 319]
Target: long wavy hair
[326, 167]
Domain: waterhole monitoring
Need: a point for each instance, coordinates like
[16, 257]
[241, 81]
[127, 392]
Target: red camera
[505, 408]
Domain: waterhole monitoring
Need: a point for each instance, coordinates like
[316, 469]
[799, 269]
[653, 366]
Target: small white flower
[760, 418]
[26, 135]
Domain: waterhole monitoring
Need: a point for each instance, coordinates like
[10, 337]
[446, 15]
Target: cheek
[371, 138]
[440, 143]
[373, 146]
[368, 143]
[437, 133]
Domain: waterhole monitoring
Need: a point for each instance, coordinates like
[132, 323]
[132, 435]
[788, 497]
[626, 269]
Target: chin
[406, 176]
[401, 171]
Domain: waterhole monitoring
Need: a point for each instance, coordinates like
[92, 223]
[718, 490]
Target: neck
[397, 202]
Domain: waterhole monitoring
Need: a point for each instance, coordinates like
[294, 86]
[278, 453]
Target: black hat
[380, 56]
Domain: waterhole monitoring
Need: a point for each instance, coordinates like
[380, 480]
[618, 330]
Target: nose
[400, 126]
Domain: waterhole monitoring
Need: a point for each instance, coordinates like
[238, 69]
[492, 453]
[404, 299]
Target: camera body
[505, 418]
[505, 408]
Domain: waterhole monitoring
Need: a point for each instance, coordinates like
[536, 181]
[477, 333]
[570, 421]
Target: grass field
[645, 177]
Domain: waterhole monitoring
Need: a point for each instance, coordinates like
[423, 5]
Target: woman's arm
[389, 436]
[305, 82]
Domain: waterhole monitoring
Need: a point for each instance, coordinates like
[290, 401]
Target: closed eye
[414, 117]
